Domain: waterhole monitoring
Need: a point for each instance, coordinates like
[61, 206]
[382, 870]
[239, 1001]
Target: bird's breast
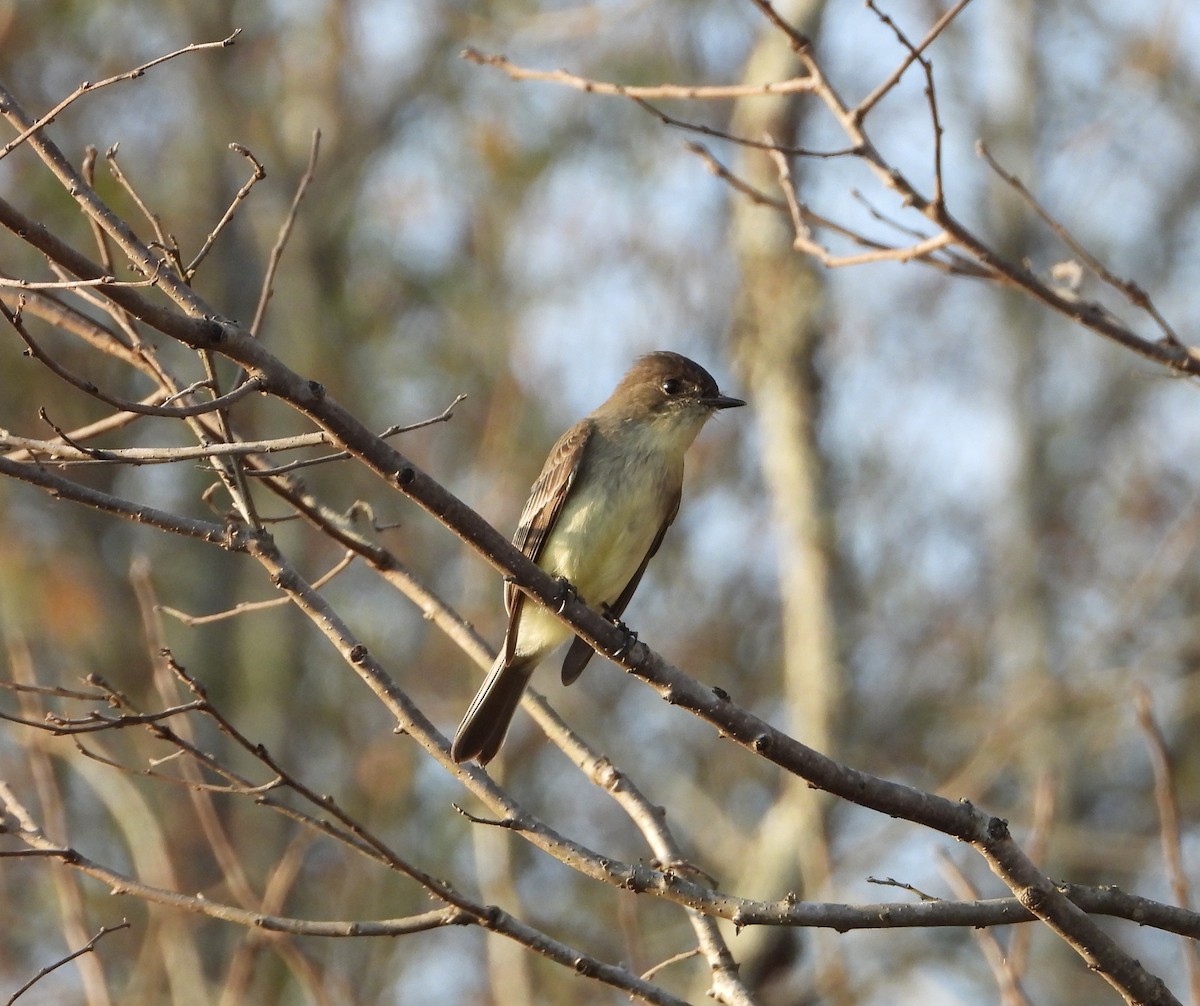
[610, 520]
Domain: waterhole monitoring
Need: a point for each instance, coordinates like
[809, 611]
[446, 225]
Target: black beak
[723, 402]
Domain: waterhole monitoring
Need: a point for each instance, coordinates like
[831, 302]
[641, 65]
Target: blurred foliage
[1012, 503]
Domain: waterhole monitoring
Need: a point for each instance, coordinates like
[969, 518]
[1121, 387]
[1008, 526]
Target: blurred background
[946, 540]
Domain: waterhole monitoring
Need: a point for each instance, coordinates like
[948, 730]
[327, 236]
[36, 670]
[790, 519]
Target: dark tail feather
[483, 728]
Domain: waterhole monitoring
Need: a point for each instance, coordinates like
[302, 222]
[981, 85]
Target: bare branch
[443, 417]
[742, 141]
[163, 241]
[65, 451]
[257, 174]
[76, 437]
[285, 229]
[95, 722]
[73, 284]
[725, 91]
[56, 312]
[125, 405]
[686, 955]
[914, 52]
[893, 882]
[87, 948]
[1134, 293]
[245, 607]
[799, 42]
[139, 513]
[88, 86]
[52, 690]
[803, 241]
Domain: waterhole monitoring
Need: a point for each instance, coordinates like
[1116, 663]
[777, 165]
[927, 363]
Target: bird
[595, 517]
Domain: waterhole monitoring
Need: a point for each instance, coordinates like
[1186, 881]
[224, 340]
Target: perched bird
[596, 514]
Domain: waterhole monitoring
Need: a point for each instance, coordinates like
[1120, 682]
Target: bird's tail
[483, 728]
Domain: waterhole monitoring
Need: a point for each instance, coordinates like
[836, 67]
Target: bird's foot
[630, 639]
[613, 617]
[565, 593]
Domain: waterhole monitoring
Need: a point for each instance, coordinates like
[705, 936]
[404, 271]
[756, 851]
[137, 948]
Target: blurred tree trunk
[777, 328]
[1016, 505]
[1020, 641]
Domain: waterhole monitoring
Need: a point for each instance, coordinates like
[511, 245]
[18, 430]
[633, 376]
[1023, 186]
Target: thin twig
[115, 343]
[257, 174]
[803, 240]
[52, 690]
[104, 249]
[245, 607]
[799, 42]
[715, 167]
[1131, 290]
[229, 470]
[872, 99]
[68, 452]
[267, 288]
[742, 141]
[164, 242]
[915, 53]
[794, 86]
[95, 722]
[137, 512]
[391, 431]
[678, 958]
[125, 405]
[88, 86]
[117, 421]
[85, 949]
[74, 284]
[904, 886]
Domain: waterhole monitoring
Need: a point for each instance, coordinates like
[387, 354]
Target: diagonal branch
[1127, 287]
[988, 834]
[200, 327]
[87, 948]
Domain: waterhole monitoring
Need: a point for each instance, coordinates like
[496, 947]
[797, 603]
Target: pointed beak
[723, 402]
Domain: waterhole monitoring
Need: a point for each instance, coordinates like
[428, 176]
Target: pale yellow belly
[599, 545]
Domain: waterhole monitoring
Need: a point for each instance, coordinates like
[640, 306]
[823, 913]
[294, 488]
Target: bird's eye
[672, 386]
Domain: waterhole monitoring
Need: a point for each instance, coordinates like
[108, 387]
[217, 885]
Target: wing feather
[550, 491]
